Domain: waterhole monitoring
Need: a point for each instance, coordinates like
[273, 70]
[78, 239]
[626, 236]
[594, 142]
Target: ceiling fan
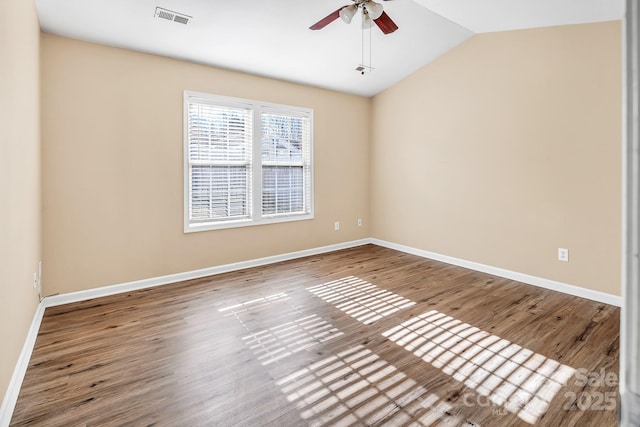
[371, 12]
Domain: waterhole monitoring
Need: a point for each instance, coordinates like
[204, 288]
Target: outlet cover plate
[563, 254]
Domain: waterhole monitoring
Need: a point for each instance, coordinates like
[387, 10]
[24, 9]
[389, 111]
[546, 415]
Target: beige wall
[113, 177]
[499, 152]
[19, 178]
[505, 149]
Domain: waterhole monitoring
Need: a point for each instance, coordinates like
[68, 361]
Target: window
[246, 162]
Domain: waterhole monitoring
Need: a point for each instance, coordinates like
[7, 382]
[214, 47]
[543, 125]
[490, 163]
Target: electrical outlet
[563, 254]
[359, 222]
[336, 225]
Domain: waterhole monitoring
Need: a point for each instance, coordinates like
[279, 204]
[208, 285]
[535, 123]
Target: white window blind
[286, 159]
[246, 162]
[220, 145]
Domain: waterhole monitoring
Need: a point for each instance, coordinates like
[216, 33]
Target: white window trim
[256, 217]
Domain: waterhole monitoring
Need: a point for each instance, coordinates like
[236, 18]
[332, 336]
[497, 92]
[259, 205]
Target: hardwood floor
[363, 336]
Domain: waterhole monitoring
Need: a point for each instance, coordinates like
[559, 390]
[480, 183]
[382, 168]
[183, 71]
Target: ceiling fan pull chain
[362, 45]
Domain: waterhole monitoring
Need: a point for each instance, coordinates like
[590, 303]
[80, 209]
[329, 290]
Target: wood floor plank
[363, 336]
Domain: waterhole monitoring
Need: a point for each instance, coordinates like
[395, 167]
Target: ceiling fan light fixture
[347, 13]
[375, 9]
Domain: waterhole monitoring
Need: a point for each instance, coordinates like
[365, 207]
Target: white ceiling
[505, 15]
[271, 37]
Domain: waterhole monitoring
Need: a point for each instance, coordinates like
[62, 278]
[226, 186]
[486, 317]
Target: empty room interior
[407, 213]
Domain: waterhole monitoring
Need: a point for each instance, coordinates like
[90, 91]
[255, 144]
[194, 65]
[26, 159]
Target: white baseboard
[11, 396]
[70, 297]
[508, 274]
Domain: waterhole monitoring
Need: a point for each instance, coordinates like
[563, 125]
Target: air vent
[181, 19]
[170, 15]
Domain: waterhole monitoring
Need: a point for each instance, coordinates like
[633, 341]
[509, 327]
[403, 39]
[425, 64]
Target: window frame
[256, 216]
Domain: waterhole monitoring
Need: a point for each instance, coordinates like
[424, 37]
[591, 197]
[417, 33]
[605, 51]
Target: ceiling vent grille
[170, 15]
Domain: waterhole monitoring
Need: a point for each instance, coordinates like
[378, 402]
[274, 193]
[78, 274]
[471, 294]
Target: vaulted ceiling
[272, 37]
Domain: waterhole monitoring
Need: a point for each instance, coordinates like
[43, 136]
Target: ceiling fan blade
[386, 24]
[326, 20]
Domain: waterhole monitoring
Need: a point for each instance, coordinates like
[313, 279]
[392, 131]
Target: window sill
[209, 226]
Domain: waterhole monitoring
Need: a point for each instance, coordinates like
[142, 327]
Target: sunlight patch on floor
[361, 300]
[273, 344]
[356, 387]
[254, 304]
[521, 381]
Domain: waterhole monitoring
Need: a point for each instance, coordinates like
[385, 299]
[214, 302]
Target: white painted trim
[255, 109]
[629, 386]
[60, 299]
[13, 390]
[513, 275]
